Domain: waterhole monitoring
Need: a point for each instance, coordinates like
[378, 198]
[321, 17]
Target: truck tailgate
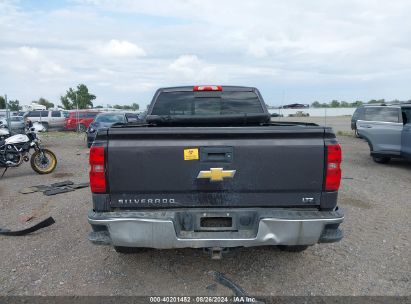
[269, 166]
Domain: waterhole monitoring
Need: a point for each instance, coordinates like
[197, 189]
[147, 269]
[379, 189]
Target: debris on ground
[55, 188]
[61, 184]
[27, 218]
[28, 190]
[226, 282]
[43, 224]
[237, 290]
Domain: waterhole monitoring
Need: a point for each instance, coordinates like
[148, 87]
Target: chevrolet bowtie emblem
[216, 174]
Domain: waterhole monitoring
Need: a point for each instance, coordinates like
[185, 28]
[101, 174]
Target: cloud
[136, 87]
[29, 52]
[121, 49]
[31, 63]
[341, 49]
[189, 67]
[51, 68]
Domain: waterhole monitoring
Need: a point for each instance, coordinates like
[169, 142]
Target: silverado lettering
[147, 201]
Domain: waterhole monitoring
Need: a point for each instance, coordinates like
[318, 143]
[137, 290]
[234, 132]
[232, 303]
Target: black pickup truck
[208, 169]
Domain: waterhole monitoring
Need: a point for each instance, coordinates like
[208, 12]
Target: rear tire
[381, 160]
[295, 248]
[129, 250]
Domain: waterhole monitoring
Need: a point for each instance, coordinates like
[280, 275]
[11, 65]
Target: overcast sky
[293, 51]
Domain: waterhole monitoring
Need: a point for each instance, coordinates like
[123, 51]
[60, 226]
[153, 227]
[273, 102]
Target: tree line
[79, 97]
[355, 104]
[14, 105]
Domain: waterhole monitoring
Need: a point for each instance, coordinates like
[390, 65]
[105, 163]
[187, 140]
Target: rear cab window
[207, 103]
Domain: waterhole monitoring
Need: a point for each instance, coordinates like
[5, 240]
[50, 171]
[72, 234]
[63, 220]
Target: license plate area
[209, 224]
[216, 222]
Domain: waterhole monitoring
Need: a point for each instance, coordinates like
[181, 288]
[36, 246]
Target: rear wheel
[382, 159]
[43, 162]
[296, 248]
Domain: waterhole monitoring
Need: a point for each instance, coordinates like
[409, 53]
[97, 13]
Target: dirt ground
[372, 259]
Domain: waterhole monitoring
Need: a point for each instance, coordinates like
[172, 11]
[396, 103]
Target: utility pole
[77, 115]
[282, 104]
[7, 113]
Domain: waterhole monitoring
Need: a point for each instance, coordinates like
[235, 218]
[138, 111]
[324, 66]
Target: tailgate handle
[216, 154]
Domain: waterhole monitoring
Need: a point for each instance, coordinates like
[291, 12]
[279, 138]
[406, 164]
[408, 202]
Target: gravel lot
[372, 259]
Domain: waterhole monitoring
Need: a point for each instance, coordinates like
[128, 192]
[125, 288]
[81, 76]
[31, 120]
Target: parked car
[49, 119]
[105, 120]
[387, 131]
[80, 120]
[208, 169]
[17, 124]
[299, 114]
[372, 113]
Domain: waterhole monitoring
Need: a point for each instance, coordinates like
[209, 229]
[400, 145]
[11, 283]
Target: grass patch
[61, 134]
[345, 133]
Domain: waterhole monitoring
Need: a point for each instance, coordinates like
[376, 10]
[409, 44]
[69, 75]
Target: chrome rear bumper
[168, 229]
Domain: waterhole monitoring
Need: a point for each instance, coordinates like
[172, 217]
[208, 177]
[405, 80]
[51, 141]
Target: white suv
[49, 119]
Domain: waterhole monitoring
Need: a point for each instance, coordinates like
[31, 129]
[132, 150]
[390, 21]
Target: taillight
[97, 170]
[207, 88]
[333, 167]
